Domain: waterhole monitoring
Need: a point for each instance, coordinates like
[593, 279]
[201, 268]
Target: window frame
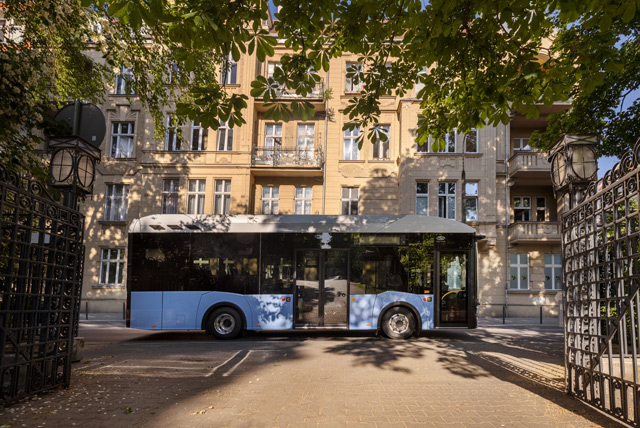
[519, 267]
[380, 147]
[349, 86]
[117, 262]
[123, 81]
[466, 140]
[117, 137]
[541, 208]
[170, 193]
[555, 267]
[422, 196]
[306, 150]
[229, 71]
[352, 201]
[306, 200]
[172, 141]
[350, 138]
[270, 199]
[116, 207]
[224, 137]
[471, 197]
[446, 199]
[223, 194]
[198, 195]
[520, 148]
[200, 143]
[521, 209]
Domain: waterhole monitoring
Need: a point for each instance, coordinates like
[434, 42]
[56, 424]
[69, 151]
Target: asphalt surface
[495, 376]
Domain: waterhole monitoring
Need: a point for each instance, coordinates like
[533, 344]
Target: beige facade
[313, 167]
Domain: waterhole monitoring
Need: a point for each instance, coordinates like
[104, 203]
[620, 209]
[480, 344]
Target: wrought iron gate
[41, 255]
[601, 238]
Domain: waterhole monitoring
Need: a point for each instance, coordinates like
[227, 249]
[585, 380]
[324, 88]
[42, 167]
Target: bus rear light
[258, 325]
[153, 325]
[283, 299]
[288, 299]
[428, 299]
[424, 299]
[368, 325]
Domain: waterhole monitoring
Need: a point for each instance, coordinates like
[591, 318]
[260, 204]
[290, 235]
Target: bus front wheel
[224, 323]
[398, 323]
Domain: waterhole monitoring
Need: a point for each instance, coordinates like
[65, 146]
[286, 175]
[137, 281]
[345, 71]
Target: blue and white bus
[226, 274]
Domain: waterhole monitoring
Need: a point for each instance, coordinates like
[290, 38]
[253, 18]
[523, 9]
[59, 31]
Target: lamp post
[573, 166]
[73, 157]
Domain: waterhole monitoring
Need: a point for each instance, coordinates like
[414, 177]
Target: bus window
[277, 264]
[377, 269]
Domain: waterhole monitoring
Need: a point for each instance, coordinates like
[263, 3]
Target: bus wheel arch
[399, 321]
[224, 321]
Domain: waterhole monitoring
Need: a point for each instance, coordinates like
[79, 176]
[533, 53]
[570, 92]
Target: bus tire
[398, 323]
[224, 323]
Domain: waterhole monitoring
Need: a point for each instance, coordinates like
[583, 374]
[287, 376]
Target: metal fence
[601, 238]
[41, 255]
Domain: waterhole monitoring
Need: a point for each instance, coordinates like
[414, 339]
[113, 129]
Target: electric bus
[226, 274]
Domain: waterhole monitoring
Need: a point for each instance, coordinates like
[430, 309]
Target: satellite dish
[92, 123]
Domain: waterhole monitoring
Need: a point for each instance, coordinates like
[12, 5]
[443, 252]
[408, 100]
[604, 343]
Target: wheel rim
[224, 324]
[399, 323]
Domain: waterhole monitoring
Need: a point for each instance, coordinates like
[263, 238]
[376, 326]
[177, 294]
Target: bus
[227, 274]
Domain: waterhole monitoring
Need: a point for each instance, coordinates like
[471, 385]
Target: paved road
[490, 377]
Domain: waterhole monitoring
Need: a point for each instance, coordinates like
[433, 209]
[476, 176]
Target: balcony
[532, 232]
[289, 161]
[315, 97]
[531, 166]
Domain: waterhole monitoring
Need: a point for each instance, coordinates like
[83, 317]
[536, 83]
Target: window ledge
[110, 158]
[110, 286]
[351, 161]
[381, 160]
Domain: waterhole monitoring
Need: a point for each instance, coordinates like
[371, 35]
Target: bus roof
[185, 223]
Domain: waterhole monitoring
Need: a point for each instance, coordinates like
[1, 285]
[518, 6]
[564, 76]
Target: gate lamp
[573, 163]
[74, 155]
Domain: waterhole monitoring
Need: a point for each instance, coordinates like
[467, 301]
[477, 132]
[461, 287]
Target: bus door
[453, 288]
[321, 288]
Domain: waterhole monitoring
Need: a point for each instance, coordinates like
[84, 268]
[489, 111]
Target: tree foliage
[478, 61]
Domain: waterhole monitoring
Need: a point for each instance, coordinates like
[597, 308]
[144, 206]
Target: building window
[352, 82]
[552, 272]
[522, 208]
[111, 266]
[424, 148]
[381, 148]
[447, 200]
[170, 190]
[471, 141]
[172, 139]
[419, 85]
[195, 196]
[199, 137]
[116, 202]
[519, 272]
[305, 141]
[422, 198]
[350, 201]
[303, 197]
[273, 135]
[229, 71]
[449, 143]
[350, 144]
[471, 201]
[124, 81]
[122, 140]
[521, 144]
[270, 200]
[225, 137]
[222, 197]
[541, 209]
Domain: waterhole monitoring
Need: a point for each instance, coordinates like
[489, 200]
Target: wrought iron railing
[601, 262]
[287, 156]
[41, 258]
[316, 92]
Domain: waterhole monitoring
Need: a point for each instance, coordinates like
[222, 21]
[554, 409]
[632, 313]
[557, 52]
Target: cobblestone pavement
[495, 376]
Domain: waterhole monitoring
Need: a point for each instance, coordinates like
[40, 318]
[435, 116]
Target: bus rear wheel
[398, 323]
[224, 323]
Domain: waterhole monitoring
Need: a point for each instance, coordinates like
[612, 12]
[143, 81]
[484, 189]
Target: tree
[478, 61]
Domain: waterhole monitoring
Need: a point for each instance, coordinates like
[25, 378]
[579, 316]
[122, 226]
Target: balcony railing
[316, 92]
[535, 232]
[285, 157]
[526, 161]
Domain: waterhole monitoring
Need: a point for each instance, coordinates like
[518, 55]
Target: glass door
[454, 296]
[321, 288]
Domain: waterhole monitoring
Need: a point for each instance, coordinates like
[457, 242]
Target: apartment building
[489, 178]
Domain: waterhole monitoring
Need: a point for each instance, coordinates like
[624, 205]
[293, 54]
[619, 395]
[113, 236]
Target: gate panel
[41, 256]
[601, 262]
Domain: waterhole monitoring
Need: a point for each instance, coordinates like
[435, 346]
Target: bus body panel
[429, 312]
[360, 311]
[270, 311]
[388, 298]
[177, 310]
[146, 310]
[211, 298]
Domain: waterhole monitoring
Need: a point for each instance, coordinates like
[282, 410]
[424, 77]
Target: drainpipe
[506, 214]
[324, 164]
